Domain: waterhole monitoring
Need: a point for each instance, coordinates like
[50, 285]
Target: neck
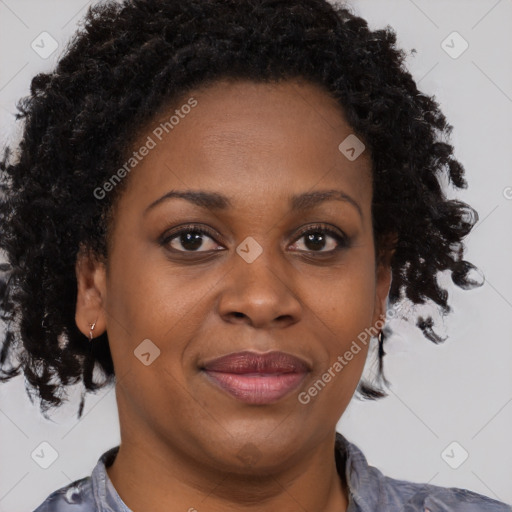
[148, 482]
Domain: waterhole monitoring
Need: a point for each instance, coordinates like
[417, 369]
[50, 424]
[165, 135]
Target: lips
[252, 362]
[256, 378]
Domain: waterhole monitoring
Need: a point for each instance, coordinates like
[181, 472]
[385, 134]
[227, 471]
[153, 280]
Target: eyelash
[343, 241]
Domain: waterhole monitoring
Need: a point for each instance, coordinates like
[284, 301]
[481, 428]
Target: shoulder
[423, 497]
[89, 494]
[77, 496]
[371, 490]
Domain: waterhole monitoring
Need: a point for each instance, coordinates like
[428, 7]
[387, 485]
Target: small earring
[92, 328]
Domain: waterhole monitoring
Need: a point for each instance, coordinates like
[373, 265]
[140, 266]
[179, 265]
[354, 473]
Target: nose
[262, 294]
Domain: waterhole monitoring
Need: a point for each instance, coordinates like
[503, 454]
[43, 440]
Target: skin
[181, 436]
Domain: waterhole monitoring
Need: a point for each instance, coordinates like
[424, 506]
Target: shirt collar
[365, 482]
[105, 495]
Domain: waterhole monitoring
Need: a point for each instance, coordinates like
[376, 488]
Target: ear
[91, 293]
[383, 276]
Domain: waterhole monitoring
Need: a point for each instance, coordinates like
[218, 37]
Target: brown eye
[316, 239]
[190, 239]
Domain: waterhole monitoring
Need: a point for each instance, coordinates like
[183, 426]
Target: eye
[190, 238]
[316, 238]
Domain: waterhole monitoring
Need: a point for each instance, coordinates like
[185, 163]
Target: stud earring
[92, 328]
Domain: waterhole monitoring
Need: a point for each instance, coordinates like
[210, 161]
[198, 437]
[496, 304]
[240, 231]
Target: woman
[213, 203]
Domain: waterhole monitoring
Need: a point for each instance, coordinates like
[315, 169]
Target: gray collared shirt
[369, 490]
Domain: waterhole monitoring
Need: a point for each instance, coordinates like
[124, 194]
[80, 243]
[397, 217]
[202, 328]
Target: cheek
[347, 311]
[344, 303]
[150, 298]
[156, 302]
[155, 317]
[345, 300]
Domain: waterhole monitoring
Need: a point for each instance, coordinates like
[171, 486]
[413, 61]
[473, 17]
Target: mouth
[257, 378]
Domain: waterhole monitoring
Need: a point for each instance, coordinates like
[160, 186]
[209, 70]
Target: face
[272, 265]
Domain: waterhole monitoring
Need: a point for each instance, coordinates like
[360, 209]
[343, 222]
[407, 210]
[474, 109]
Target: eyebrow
[216, 201]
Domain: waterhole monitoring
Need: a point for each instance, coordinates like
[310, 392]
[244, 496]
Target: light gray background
[459, 391]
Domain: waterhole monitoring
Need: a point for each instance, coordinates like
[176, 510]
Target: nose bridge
[258, 266]
[257, 286]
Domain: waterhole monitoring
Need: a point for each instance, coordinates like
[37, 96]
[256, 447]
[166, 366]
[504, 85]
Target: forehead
[251, 140]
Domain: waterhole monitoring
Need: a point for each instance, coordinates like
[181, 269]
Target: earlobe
[90, 315]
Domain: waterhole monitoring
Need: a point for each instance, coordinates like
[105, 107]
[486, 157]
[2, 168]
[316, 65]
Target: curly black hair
[128, 61]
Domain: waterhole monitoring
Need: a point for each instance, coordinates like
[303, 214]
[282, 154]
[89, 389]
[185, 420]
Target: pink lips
[257, 378]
